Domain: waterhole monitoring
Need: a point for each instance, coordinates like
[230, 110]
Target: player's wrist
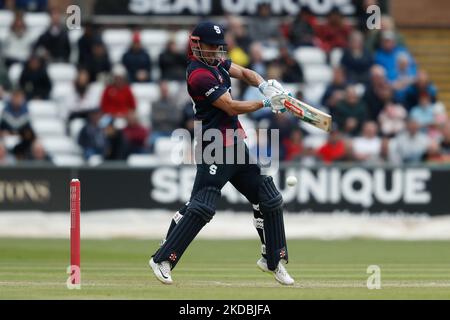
[262, 86]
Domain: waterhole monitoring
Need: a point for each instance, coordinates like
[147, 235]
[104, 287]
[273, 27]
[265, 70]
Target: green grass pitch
[117, 269]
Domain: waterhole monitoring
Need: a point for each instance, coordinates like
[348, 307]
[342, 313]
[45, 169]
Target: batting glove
[276, 102]
[270, 87]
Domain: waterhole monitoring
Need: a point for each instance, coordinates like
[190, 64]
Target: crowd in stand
[384, 107]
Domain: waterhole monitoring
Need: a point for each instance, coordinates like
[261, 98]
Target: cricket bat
[308, 113]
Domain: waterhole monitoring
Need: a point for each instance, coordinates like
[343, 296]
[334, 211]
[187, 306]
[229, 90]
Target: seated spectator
[435, 154]
[392, 119]
[356, 60]
[116, 147]
[117, 98]
[236, 53]
[422, 86]
[367, 147]
[98, 63]
[82, 98]
[409, 146]
[172, 63]
[15, 116]
[135, 134]
[38, 153]
[250, 93]
[239, 31]
[335, 91]
[351, 112]
[91, 137]
[86, 43]
[405, 77]
[302, 29]
[137, 61]
[166, 116]
[100, 137]
[55, 40]
[256, 59]
[388, 54]
[335, 32]
[377, 92]
[5, 157]
[334, 149]
[23, 150]
[292, 72]
[34, 79]
[264, 27]
[424, 113]
[373, 39]
[293, 145]
[18, 43]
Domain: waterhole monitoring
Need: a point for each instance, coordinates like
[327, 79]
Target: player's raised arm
[252, 78]
[234, 107]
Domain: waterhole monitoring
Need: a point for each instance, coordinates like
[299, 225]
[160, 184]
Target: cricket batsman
[209, 85]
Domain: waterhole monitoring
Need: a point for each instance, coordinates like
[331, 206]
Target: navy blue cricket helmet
[209, 33]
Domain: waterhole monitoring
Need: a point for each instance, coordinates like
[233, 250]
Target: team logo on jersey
[212, 169]
[208, 93]
[220, 79]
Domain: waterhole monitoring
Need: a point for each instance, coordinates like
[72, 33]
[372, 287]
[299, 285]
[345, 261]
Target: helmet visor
[209, 53]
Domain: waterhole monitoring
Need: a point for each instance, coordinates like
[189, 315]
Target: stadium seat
[144, 111]
[143, 160]
[116, 53]
[151, 37]
[292, 87]
[182, 39]
[75, 127]
[177, 88]
[37, 20]
[6, 18]
[62, 72]
[336, 56]
[95, 160]
[43, 109]
[61, 145]
[314, 141]
[14, 73]
[3, 34]
[117, 37]
[48, 127]
[270, 53]
[317, 73]
[169, 150]
[60, 90]
[310, 55]
[75, 35]
[313, 93]
[10, 141]
[67, 160]
[145, 91]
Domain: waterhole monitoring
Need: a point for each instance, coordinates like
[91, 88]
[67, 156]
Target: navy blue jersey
[205, 85]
